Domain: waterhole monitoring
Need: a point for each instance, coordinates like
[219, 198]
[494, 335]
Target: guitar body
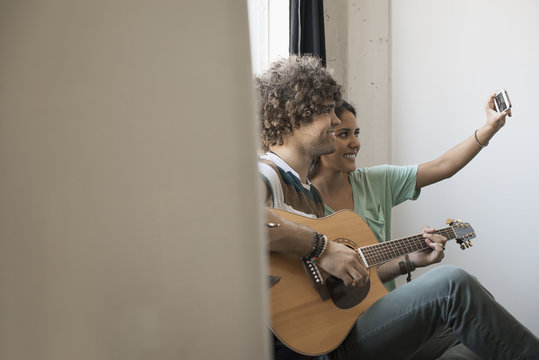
[299, 317]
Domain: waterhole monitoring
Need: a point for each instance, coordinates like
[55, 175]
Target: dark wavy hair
[290, 93]
[343, 107]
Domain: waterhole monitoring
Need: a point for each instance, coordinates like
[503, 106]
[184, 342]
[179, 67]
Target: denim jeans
[400, 323]
[444, 346]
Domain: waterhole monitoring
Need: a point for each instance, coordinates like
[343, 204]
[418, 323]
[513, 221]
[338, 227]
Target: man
[297, 97]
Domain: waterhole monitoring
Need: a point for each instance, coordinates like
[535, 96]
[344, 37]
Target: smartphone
[501, 101]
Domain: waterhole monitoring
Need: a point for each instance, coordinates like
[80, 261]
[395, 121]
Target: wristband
[477, 140]
[410, 266]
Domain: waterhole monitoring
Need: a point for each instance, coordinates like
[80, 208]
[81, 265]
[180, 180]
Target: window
[269, 30]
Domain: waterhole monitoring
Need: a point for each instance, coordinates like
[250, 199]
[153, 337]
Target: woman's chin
[349, 169]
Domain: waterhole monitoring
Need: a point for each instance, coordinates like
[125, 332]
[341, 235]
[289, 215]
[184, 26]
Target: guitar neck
[377, 254]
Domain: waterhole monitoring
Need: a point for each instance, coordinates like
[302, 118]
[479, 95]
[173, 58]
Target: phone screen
[502, 101]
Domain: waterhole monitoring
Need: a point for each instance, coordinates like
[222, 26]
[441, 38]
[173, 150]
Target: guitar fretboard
[380, 253]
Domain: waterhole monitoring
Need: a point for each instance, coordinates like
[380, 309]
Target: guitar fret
[382, 252]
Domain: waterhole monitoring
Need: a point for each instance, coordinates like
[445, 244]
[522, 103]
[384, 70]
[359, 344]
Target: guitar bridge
[313, 273]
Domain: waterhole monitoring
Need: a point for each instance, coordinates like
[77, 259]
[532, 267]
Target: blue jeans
[398, 324]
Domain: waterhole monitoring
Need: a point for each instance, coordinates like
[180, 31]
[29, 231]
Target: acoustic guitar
[312, 311]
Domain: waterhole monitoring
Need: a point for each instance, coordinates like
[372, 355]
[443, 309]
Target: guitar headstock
[464, 233]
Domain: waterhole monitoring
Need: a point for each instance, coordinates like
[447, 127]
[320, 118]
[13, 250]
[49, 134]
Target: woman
[372, 192]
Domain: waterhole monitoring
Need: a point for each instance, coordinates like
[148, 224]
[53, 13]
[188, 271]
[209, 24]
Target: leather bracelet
[402, 268]
[410, 266]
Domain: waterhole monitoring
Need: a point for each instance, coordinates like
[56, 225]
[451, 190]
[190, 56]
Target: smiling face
[318, 137]
[347, 145]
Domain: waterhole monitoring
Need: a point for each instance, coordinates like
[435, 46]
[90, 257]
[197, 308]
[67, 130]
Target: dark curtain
[307, 28]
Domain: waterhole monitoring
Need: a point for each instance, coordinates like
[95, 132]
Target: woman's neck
[335, 188]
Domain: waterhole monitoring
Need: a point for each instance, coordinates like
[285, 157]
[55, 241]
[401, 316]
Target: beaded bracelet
[477, 140]
[316, 241]
[319, 246]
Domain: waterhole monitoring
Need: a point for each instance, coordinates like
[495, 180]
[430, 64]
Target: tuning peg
[470, 242]
[449, 221]
[462, 247]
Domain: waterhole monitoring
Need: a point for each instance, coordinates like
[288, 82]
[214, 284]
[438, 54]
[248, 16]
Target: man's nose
[335, 121]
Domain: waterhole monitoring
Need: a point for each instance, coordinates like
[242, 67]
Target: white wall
[447, 56]
[128, 228]
[358, 49]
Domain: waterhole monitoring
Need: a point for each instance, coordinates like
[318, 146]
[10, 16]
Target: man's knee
[460, 281]
[452, 275]
[456, 273]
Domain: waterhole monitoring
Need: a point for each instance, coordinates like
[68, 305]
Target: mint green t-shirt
[376, 190]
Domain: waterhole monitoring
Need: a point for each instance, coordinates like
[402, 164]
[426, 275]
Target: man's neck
[295, 159]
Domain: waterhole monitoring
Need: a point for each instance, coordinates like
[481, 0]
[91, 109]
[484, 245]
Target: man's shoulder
[272, 167]
[288, 192]
[269, 171]
[264, 163]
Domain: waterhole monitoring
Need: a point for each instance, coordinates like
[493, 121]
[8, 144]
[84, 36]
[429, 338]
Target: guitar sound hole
[345, 297]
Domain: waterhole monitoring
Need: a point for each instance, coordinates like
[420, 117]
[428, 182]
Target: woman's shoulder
[381, 175]
[383, 170]
[378, 170]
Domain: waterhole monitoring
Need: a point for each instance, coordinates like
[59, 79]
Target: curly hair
[290, 93]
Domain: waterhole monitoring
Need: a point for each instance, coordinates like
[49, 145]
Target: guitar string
[387, 250]
[381, 252]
